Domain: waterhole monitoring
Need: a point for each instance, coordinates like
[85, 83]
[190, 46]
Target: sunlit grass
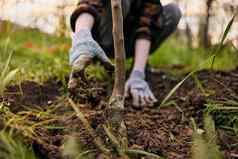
[37, 56]
[172, 53]
[6, 75]
[40, 56]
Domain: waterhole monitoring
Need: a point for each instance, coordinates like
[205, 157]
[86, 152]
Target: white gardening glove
[84, 49]
[138, 88]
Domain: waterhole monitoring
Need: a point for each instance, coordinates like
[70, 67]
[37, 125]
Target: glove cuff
[137, 74]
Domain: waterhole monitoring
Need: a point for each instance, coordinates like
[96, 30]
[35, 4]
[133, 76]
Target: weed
[25, 122]
[10, 148]
[226, 114]
[201, 65]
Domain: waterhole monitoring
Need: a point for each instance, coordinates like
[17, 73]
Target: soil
[164, 130]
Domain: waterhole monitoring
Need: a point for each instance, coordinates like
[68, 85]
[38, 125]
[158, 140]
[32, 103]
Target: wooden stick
[117, 98]
[119, 49]
[97, 140]
[115, 142]
[123, 152]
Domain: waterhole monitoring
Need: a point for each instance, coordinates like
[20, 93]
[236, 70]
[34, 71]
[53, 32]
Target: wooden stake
[116, 122]
[117, 99]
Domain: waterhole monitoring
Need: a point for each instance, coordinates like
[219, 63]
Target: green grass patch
[174, 53]
[37, 56]
[41, 56]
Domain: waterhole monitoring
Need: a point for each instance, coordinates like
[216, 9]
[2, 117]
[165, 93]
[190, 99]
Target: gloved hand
[84, 49]
[139, 90]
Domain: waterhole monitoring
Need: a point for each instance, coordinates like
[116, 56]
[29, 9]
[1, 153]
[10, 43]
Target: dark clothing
[146, 19]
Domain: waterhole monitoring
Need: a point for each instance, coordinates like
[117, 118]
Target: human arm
[136, 85]
[84, 47]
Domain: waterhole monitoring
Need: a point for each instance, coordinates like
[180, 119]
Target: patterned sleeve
[151, 10]
[93, 7]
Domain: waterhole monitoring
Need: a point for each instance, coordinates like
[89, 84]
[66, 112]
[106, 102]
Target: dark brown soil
[31, 94]
[164, 130]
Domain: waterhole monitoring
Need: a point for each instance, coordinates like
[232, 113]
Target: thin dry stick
[115, 142]
[97, 140]
[117, 98]
[141, 152]
[123, 152]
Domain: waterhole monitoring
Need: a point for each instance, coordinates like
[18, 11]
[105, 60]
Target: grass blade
[7, 79]
[6, 67]
[175, 89]
[219, 48]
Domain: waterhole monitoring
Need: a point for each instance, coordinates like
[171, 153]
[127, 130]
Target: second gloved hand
[138, 88]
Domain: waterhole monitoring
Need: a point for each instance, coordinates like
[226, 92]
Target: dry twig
[97, 140]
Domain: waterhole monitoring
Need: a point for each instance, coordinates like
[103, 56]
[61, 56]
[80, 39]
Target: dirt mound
[165, 130]
[31, 94]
